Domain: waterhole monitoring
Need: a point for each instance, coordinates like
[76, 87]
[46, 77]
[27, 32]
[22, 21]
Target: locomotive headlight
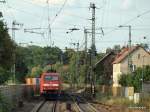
[46, 84]
[55, 84]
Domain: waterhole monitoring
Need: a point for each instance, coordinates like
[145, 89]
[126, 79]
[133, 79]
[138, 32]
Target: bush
[134, 79]
[35, 72]
[126, 80]
[4, 75]
[4, 104]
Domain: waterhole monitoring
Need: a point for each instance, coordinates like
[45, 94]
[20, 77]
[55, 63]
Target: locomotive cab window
[50, 78]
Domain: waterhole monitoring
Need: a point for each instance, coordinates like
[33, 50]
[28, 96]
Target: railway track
[78, 104]
[46, 106]
[82, 105]
[54, 108]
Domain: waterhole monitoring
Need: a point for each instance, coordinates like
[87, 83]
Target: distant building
[104, 68]
[139, 57]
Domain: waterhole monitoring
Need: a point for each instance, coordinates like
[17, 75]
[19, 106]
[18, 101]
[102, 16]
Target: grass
[122, 101]
[108, 99]
[146, 101]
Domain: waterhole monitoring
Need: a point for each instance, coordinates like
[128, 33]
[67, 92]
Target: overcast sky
[75, 13]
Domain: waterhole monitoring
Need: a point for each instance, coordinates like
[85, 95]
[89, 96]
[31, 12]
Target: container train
[50, 84]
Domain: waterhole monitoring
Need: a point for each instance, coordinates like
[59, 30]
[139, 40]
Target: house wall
[139, 58]
[124, 66]
[116, 74]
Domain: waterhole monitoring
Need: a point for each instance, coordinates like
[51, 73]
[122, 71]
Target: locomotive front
[50, 84]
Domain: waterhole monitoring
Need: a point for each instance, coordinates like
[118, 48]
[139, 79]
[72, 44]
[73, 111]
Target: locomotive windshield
[50, 78]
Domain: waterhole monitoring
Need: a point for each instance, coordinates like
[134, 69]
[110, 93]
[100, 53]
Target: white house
[139, 57]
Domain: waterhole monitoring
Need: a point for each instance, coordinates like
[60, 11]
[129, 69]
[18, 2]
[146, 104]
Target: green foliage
[51, 55]
[67, 55]
[4, 75]
[21, 65]
[126, 80]
[6, 44]
[1, 15]
[80, 77]
[4, 104]
[146, 73]
[36, 72]
[135, 78]
[6, 50]
[47, 68]
[33, 56]
[72, 67]
[144, 45]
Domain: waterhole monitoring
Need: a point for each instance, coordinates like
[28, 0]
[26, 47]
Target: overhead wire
[20, 10]
[59, 11]
[80, 17]
[31, 3]
[8, 7]
[103, 13]
[129, 21]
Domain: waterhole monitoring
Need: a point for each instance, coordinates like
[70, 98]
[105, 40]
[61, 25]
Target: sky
[76, 13]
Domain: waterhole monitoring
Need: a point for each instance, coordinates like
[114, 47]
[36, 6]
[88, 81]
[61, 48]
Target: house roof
[104, 57]
[124, 53]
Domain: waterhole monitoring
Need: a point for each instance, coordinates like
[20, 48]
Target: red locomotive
[50, 84]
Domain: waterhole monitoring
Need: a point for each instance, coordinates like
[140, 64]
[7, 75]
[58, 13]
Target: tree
[135, 79]
[6, 47]
[4, 75]
[36, 72]
[21, 66]
[6, 50]
[126, 80]
[51, 55]
[117, 48]
[67, 55]
[5, 105]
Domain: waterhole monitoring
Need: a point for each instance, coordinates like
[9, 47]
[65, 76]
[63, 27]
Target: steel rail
[39, 106]
[79, 106]
[54, 108]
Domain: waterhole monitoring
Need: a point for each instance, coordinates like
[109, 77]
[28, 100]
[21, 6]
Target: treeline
[31, 60]
[35, 57]
[7, 47]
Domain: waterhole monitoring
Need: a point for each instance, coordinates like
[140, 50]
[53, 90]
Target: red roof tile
[124, 53]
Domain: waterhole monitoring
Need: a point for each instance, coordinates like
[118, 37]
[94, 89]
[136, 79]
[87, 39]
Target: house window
[139, 56]
[133, 68]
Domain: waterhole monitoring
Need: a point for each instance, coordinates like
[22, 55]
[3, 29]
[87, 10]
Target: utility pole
[93, 49]
[77, 62]
[129, 48]
[85, 35]
[14, 24]
[49, 26]
[76, 46]
[85, 58]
